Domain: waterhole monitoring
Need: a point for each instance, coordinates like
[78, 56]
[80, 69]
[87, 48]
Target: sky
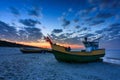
[66, 21]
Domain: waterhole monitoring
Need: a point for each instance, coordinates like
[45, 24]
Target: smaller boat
[91, 53]
[31, 50]
[35, 50]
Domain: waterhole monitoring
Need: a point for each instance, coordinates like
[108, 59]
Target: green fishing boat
[31, 50]
[35, 50]
[92, 53]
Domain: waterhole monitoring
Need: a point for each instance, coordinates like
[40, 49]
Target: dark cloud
[77, 27]
[106, 3]
[112, 4]
[31, 34]
[26, 34]
[54, 36]
[94, 23]
[116, 4]
[89, 35]
[83, 29]
[74, 40]
[89, 19]
[15, 11]
[94, 1]
[65, 38]
[35, 11]
[57, 31]
[100, 31]
[29, 22]
[23, 35]
[65, 23]
[111, 32]
[115, 25]
[89, 10]
[98, 19]
[62, 36]
[104, 15]
[76, 20]
[7, 32]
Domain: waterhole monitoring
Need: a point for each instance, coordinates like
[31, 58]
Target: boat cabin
[90, 45]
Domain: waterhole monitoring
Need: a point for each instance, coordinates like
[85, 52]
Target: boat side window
[88, 49]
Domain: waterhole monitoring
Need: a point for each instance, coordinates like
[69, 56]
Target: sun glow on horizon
[47, 45]
[43, 44]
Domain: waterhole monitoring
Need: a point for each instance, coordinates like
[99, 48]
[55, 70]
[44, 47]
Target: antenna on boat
[97, 38]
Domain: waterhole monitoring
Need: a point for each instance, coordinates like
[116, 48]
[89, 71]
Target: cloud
[111, 32]
[92, 1]
[57, 31]
[89, 19]
[54, 36]
[85, 12]
[100, 31]
[94, 23]
[110, 4]
[23, 35]
[29, 22]
[77, 27]
[116, 4]
[7, 32]
[103, 4]
[104, 15]
[89, 35]
[117, 17]
[14, 11]
[62, 36]
[65, 23]
[83, 29]
[115, 25]
[76, 20]
[31, 34]
[70, 10]
[74, 40]
[35, 11]
[89, 10]
[27, 34]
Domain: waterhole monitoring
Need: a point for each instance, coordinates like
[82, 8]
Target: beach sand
[18, 66]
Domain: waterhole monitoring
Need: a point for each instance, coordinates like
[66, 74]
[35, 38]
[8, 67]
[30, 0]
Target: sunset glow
[47, 45]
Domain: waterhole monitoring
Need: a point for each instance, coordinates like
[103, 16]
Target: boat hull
[34, 50]
[60, 56]
[31, 51]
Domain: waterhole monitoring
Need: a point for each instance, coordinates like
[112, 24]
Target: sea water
[112, 56]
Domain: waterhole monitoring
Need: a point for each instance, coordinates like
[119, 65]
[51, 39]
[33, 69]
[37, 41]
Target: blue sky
[66, 21]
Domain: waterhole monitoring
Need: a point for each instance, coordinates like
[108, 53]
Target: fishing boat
[31, 50]
[35, 50]
[91, 53]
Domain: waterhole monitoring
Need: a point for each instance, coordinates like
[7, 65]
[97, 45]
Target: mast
[48, 40]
